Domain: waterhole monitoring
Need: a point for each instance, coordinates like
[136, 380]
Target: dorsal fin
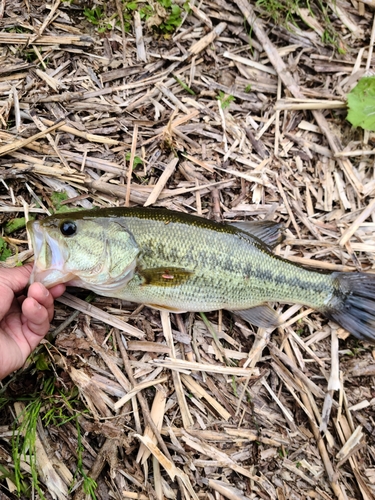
[269, 232]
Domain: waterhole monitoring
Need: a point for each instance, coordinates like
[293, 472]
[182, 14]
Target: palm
[24, 321]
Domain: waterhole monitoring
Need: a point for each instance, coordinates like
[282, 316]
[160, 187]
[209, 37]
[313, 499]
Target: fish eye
[68, 228]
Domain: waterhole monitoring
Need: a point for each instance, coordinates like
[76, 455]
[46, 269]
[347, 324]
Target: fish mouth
[49, 258]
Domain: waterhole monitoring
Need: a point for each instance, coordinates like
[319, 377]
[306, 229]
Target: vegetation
[184, 86]
[287, 13]
[57, 199]
[5, 252]
[225, 100]
[52, 406]
[172, 17]
[137, 160]
[97, 17]
[14, 225]
[162, 15]
[361, 104]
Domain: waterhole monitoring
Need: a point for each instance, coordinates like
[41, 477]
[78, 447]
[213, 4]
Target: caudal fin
[352, 305]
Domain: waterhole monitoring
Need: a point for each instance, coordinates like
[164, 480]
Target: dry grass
[160, 409]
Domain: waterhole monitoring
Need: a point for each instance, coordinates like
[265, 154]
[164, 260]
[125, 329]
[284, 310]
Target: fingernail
[38, 306]
[44, 290]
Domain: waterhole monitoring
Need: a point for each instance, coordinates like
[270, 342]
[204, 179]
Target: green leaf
[145, 12]
[224, 100]
[15, 225]
[4, 250]
[93, 15]
[176, 11]
[184, 86]
[42, 362]
[361, 104]
[137, 160]
[57, 197]
[131, 5]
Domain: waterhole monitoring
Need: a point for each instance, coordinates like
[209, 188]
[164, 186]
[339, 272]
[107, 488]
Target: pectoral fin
[263, 316]
[269, 232]
[164, 276]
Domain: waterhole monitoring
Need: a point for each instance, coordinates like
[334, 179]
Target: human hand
[24, 321]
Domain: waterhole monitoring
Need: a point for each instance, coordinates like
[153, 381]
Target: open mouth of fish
[50, 258]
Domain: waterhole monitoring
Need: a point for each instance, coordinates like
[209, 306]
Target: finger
[35, 321]
[39, 292]
[16, 278]
[6, 301]
[15, 306]
[57, 290]
[12, 281]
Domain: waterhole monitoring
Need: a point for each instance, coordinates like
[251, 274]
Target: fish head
[97, 253]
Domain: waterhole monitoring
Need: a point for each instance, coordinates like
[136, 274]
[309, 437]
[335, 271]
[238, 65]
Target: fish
[181, 262]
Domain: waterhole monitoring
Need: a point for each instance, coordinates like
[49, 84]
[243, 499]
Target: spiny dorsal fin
[263, 316]
[269, 232]
[164, 276]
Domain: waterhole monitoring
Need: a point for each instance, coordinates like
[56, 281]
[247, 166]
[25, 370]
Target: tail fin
[352, 305]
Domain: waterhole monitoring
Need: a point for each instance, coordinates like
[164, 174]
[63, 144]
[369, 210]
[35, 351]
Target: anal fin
[263, 316]
[166, 308]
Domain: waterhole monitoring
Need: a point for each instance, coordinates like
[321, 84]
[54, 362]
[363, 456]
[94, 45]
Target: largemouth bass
[180, 262]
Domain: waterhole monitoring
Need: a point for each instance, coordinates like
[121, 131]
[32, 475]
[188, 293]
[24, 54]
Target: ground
[231, 111]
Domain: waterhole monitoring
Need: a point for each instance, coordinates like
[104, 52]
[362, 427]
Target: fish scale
[230, 271]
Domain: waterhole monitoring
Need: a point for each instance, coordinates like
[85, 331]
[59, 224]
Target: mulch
[231, 117]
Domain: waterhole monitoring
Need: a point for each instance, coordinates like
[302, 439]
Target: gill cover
[49, 257]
